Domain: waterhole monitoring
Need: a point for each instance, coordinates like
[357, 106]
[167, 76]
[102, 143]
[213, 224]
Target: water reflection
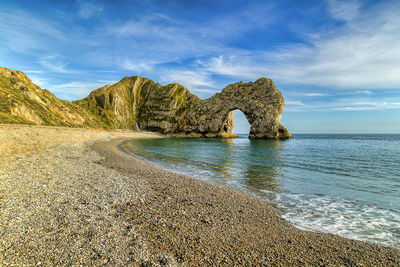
[225, 160]
[262, 172]
[356, 193]
[261, 178]
[241, 162]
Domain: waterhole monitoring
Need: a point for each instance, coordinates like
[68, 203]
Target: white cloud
[237, 66]
[24, 32]
[316, 94]
[158, 37]
[104, 82]
[360, 56]
[295, 103]
[54, 63]
[366, 92]
[370, 106]
[88, 9]
[344, 9]
[190, 79]
[364, 53]
[109, 71]
[137, 68]
[153, 25]
[40, 81]
[33, 71]
[207, 91]
[76, 89]
[345, 104]
[69, 91]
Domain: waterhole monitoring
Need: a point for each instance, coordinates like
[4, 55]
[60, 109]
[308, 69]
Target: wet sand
[72, 197]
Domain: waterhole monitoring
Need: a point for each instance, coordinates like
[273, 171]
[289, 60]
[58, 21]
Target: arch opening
[242, 125]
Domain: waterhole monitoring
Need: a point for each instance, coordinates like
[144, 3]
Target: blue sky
[337, 63]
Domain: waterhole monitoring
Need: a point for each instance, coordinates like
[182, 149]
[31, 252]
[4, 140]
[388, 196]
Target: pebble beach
[75, 197]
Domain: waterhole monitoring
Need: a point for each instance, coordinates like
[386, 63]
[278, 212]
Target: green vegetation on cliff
[21, 101]
[132, 102]
[140, 103]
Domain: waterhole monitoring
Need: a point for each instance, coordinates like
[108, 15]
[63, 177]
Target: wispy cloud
[71, 91]
[76, 89]
[344, 104]
[365, 92]
[370, 106]
[40, 81]
[236, 66]
[316, 94]
[357, 56]
[104, 82]
[24, 32]
[137, 67]
[295, 103]
[364, 53]
[88, 9]
[158, 37]
[33, 71]
[203, 91]
[192, 80]
[54, 63]
[344, 9]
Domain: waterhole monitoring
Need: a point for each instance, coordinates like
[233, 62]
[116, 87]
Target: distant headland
[141, 104]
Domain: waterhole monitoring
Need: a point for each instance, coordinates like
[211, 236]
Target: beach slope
[73, 196]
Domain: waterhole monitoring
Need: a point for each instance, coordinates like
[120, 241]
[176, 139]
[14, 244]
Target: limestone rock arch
[260, 101]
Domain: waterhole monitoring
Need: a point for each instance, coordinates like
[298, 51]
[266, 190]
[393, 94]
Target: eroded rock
[261, 102]
[141, 104]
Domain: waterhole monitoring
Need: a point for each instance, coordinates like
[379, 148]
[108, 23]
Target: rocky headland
[138, 103]
[72, 196]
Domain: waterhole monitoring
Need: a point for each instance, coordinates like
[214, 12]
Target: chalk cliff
[141, 104]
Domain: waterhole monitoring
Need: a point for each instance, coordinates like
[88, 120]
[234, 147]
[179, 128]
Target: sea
[345, 184]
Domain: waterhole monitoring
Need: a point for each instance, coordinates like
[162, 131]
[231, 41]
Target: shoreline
[299, 246]
[72, 196]
[298, 218]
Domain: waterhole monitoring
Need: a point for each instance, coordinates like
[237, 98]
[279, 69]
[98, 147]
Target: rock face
[261, 102]
[21, 101]
[141, 104]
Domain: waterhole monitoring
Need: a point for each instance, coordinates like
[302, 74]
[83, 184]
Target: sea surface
[337, 183]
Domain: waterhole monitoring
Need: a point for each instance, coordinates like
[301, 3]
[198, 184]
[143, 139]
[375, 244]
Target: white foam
[353, 219]
[338, 216]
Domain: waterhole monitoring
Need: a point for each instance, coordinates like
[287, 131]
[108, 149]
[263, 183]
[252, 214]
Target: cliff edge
[141, 104]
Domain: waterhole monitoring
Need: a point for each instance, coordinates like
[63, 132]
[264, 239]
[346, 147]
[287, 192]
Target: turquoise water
[343, 184]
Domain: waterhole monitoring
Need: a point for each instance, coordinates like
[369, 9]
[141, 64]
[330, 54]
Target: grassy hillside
[131, 103]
